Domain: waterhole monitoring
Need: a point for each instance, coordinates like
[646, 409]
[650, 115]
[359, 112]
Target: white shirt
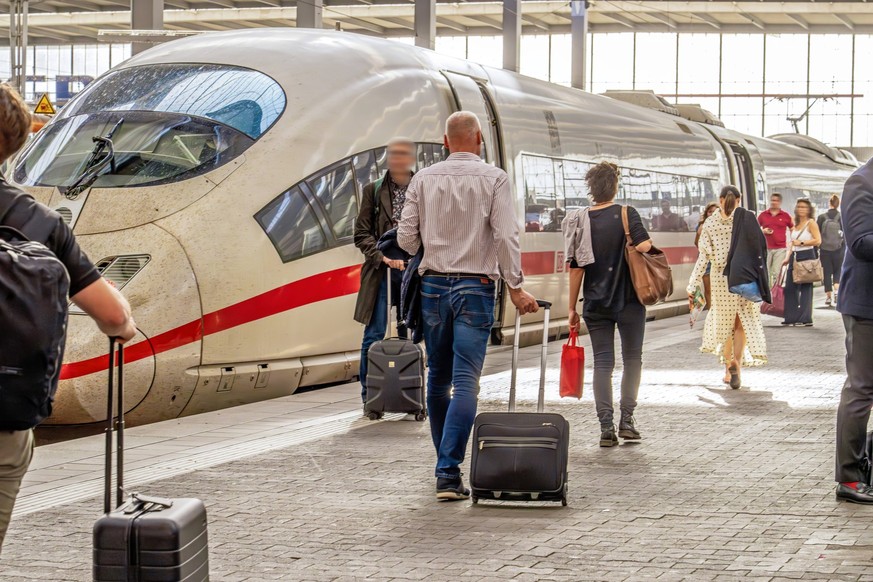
[462, 211]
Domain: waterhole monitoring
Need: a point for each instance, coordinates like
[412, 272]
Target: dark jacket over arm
[856, 283]
[747, 258]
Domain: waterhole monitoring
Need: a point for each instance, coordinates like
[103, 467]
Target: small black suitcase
[521, 456]
[145, 539]
[395, 375]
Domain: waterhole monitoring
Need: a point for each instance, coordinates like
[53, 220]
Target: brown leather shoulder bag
[650, 272]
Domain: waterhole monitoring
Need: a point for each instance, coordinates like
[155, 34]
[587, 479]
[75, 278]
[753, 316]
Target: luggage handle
[141, 501]
[541, 397]
[388, 284]
[113, 425]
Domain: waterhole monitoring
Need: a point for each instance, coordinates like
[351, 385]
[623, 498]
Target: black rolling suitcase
[521, 455]
[145, 539]
[395, 375]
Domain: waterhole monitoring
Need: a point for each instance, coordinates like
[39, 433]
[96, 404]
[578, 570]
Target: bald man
[462, 213]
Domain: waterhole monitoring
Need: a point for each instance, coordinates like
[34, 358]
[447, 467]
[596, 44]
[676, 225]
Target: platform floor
[727, 485]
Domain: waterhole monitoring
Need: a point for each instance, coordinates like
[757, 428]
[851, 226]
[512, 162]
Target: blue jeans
[458, 314]
[375, 330]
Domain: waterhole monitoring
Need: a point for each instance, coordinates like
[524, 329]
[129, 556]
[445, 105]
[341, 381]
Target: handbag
[650, 272]
[777, 294]
[572, 367]
[810, 270]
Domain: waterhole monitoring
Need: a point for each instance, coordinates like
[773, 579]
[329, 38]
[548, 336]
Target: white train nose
[165, 302]
[81, 396]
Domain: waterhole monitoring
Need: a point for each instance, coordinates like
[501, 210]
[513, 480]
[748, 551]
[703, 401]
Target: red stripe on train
[329, 285]
[312, 289]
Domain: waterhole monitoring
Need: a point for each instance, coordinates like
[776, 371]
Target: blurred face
[802, 210]
[710, 210]
[775, 203]
[401, 159]
[665, 206]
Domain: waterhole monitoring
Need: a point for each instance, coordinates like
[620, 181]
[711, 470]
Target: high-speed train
[224, 210]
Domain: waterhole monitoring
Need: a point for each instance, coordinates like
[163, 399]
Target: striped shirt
[463, 212]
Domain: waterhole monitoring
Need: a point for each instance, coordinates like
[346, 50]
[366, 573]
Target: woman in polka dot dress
[733, 329]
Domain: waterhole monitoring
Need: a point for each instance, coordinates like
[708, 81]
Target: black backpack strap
[376, 197]
[8, 230]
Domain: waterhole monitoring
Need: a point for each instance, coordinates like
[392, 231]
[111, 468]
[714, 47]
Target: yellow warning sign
[44, 106]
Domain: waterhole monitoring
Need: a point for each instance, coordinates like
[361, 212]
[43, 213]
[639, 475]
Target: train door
[472, 95]
[749, 175]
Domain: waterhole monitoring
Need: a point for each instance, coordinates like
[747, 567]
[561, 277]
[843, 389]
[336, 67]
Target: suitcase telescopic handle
[541, 397]
[113, 425]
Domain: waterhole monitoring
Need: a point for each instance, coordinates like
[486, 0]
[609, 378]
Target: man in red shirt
[775, 223]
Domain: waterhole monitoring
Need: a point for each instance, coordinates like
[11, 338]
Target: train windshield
[179, 121]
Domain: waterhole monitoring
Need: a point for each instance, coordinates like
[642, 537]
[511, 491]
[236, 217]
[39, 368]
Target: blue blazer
[856, 283]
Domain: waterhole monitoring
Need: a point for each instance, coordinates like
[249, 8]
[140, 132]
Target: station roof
[79, 21]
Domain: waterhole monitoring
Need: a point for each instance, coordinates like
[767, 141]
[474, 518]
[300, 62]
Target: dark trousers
[832, 263]
[631, 324]
[856, 400]
[798, 298]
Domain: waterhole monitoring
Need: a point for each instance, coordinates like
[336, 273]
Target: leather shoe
[863, 494]
[607, 436]
[627, 428]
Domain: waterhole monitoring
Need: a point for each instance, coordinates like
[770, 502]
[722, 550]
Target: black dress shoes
[863, 494]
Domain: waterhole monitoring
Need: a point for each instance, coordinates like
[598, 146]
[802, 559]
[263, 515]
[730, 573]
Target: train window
[168, 122]
[439, 153]
[292, 226]
[575, 187]
[335, 190]
[540, 192]
[637, 188]
[246, 100]
[149, 149]
[366, 170]
[381, 159]
[424, 157]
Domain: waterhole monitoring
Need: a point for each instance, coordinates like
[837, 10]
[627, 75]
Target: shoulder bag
[650, 272]
[810, 270]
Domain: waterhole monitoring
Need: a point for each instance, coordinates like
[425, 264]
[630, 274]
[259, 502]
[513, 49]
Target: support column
[425, 23]
[146, 15]
[511, 34]
[18, 45]
[309, 13]
[578, 43]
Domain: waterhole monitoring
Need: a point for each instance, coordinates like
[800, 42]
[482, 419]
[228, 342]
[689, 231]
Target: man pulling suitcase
[462, 212]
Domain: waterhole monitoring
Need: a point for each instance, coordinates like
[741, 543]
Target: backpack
[33, 291]
[831, 235]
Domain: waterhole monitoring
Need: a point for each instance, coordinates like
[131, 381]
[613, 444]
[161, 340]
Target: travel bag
[395, 374]
[521, 455]
[144, 539]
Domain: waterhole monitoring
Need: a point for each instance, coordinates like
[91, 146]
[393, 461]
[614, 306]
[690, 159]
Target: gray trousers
[855, 401]
[775, 258]
[16, 451]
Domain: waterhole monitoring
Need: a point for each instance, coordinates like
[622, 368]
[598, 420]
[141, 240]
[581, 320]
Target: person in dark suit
[855, 304]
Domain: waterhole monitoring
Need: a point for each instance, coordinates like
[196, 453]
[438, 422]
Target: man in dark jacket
[381, 206]
[855, 303]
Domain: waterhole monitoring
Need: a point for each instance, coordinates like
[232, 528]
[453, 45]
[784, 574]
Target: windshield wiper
[101, 156]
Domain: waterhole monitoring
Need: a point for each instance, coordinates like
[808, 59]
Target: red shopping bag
[777, 308]
[572, 367]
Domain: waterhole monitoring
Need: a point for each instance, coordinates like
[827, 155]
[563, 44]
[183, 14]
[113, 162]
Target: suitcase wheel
[475, 500]
[374, 415]
[420, 416]
[564, 501]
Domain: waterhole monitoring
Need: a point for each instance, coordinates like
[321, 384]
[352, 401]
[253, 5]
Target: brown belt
[430, 273]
